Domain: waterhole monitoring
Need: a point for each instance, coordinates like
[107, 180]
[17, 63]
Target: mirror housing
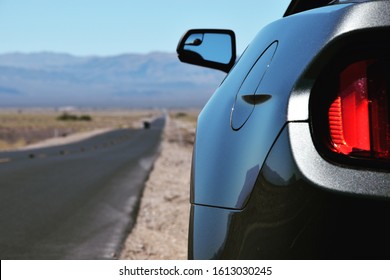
[211, 48]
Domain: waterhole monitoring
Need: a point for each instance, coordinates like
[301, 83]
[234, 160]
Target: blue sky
[110, 27]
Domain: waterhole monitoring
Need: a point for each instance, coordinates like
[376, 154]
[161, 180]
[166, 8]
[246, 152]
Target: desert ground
[21, 128]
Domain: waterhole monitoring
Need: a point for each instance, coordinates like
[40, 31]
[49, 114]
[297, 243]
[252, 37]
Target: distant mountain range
[129, 80]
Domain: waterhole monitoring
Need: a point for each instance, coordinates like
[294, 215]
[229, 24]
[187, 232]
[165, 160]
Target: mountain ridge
[142, 80]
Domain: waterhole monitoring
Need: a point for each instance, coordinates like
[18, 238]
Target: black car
[292, 151]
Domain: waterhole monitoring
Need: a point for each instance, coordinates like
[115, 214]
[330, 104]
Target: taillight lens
[358, 116]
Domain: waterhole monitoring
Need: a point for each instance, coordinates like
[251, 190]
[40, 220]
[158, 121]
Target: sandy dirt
[76, 137]
[42, 127]
[161, 230]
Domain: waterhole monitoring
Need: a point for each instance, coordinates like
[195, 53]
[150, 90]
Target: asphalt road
[76, 201]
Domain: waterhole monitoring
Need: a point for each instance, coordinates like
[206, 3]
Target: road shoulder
[161, 230]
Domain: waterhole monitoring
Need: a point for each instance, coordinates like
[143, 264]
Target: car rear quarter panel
[226, 162]
[264, 191]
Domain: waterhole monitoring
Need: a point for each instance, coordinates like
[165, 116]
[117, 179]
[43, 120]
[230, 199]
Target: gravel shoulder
[161, 229]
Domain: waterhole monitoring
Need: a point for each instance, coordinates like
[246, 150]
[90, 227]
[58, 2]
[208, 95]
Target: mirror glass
[210, 46]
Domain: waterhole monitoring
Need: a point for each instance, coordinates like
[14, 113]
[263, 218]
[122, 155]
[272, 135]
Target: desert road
[76, 201]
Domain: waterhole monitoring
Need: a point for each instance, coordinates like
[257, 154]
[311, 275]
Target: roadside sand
[42, 127]
[161, 229]
[76, 137]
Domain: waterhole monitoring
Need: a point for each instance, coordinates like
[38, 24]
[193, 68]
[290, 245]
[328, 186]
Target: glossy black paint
[248, 95]
[259, 186]
[286, 218]
[221, 150]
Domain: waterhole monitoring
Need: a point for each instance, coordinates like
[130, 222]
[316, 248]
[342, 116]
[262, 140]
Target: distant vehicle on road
[292, 152]
[146, 124]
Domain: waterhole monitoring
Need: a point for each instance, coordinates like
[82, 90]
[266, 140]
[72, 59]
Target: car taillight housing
[358, 119]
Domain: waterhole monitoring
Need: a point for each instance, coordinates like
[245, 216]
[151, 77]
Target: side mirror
[212, 48]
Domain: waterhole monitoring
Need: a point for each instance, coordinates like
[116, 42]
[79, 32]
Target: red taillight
[358, 117]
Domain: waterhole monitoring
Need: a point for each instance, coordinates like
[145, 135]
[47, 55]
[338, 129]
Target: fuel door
[247, 98]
